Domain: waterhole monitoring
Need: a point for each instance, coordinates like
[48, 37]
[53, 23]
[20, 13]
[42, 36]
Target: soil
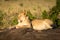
[29, 34]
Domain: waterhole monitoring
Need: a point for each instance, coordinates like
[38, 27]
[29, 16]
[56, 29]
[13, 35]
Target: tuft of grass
[1, 18]
[21, 4]
[14, 21]
[58, 22]
[31, 17]
[34, 8]
[1, 15]
[44, 15]
[7, 20]
[54, 16]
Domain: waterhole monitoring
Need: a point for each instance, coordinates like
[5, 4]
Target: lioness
[42, 24]
[23, 21]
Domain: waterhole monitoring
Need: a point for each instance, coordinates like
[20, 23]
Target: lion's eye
[20, 20]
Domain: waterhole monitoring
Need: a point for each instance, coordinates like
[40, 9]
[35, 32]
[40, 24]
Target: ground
[29, 34]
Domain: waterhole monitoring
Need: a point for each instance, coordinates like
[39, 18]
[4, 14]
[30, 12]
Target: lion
[39, 24]
[23, 21]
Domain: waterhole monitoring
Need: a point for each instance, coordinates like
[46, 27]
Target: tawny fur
[23, 21]
[42, 24]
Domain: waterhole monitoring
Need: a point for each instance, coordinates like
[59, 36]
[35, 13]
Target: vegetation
[21, 4]
[53, 16]
[54, 12]
[31, 17]
[45, 15]
[7, 20]
[1, 18]
[10, 0]
[14, 21]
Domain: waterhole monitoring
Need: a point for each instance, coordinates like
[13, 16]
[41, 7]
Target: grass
[53, 15]
[1, 18]
[31, 17]
[7, 20]
[45, 15]
[10, 0]
[21, 4]
[14, 21]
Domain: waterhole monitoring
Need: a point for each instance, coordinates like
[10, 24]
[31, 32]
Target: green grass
[44, 15]
[58, 22]
[7, 20]
[53, 15]
[31, 17]
[1, 18]
[14, 21]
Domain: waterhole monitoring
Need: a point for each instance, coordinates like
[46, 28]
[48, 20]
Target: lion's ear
[23, 12]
